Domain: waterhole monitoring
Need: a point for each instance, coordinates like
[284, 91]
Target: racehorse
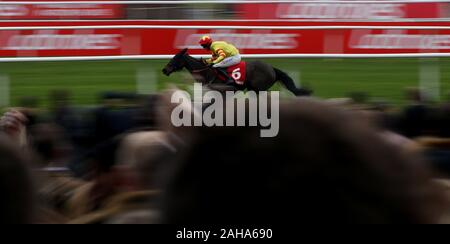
[260, 76]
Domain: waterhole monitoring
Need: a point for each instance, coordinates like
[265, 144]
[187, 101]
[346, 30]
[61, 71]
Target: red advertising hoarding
[60, 11]
[167, 40]
[350, 11]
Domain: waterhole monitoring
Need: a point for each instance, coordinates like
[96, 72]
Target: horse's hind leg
[289, 84]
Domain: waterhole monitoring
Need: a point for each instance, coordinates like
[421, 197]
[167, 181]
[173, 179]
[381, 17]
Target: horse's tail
[289, 83]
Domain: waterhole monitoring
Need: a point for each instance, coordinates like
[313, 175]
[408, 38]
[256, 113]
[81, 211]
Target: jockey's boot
[228, 79]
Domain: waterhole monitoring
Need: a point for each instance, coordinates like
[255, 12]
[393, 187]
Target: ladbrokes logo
[398, 39]
[253, 40]
[73, 10]
[13, 10]
[340, 11]
[55, 41]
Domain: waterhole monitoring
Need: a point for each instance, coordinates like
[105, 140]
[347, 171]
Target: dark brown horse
[260, 76]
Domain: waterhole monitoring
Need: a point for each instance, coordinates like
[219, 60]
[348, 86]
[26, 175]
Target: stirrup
[230, 82]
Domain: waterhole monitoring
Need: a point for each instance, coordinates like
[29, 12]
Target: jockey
[223, 55]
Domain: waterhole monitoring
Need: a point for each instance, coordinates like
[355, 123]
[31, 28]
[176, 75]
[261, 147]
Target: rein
[198, 71]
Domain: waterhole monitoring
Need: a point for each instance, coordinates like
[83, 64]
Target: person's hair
[15, 185]
[48, 142]
[324, 166]
[147, 154]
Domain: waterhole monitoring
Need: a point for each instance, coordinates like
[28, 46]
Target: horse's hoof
[304, 92]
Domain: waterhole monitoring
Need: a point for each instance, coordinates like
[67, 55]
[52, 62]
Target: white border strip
[224, 27]
[226, 21]
[163, 57]
[221, 2]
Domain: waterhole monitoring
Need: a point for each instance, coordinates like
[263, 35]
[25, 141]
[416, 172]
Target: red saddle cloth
[238, 72]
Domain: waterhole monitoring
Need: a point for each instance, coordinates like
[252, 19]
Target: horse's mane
[191, 61]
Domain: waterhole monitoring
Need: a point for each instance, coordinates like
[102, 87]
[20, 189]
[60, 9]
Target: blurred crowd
[122, 162]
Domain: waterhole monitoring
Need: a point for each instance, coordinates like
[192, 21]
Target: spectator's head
[49, 143]
[118, 99]
[29, 102]
[324, 166]
[381, 105]
[359, 97]
[15, 186]
[147, 115]
[415, 95]
[60, 98]
[142, 157]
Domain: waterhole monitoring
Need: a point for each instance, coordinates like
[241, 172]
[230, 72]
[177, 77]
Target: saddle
[238, 72]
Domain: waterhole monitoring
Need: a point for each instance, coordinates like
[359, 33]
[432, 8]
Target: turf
[380, 78]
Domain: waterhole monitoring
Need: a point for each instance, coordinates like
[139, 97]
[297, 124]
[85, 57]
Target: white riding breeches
[227, 62]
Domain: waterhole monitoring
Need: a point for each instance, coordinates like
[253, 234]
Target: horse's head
[177, 63]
